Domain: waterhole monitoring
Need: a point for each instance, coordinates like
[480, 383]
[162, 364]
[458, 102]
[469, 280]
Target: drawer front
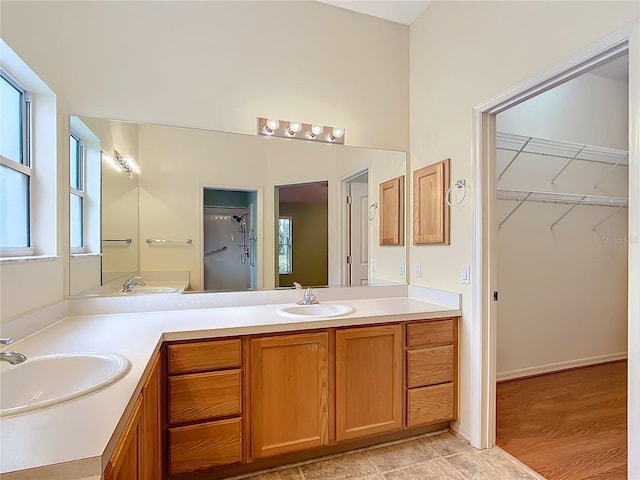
[203, 356]
[201, 396]
[430, 405]
[208, 445]
[429, 366]
[426, 334]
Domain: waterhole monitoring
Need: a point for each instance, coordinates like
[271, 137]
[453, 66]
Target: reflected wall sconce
[127, 164]
[305, 131]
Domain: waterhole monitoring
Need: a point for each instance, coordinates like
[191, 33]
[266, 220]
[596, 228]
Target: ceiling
[399, 11]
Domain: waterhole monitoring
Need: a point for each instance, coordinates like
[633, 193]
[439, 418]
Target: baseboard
[555, 367]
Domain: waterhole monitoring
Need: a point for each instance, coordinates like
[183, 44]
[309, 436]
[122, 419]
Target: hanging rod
[556, 148]
[117, 240]
[523, 196]
[568, 198]
[151, 241]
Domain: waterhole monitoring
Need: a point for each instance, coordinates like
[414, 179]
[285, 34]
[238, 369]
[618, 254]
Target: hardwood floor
[567, 425]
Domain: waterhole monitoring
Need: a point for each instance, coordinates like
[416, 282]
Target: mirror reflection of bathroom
[229, 248]
[302, 243]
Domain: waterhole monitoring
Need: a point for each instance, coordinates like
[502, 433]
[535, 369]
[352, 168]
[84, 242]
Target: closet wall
[563, 291]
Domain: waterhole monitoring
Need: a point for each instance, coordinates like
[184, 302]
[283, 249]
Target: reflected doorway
[357, 228]
[229, 240]
[302, 234]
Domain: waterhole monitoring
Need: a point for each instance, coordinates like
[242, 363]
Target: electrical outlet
[401, 268]
[418, 272]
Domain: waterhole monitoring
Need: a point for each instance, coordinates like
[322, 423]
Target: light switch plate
[373, 264]
[401, 268]
[465, 274]
[418, 271]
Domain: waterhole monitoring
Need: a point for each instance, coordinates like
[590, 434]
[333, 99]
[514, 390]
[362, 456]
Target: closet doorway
[561, 176]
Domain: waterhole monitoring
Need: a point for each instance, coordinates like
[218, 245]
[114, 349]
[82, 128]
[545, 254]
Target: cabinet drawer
[208, 445]
[430, 405]
[201, 396]
[429, 366]
[202, 356]
[425, 334]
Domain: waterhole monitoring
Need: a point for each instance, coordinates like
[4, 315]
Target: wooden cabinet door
[152, 422]
[368, 381]
[392, 212]
[289, 393]
[430, 210]
[124, 463]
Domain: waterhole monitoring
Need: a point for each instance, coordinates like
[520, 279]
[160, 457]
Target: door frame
[483, 324]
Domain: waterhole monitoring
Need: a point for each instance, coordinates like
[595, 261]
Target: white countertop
[75, 439]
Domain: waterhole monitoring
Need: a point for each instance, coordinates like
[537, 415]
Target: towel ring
[459, 184]
[373, 209]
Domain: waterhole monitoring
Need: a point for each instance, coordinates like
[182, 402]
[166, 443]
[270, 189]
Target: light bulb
[337, 132]
[314, 132]
[131, 163]
[294, 127]
[271, 126]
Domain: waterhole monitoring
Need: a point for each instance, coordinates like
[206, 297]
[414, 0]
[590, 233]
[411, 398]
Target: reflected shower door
[227, 248]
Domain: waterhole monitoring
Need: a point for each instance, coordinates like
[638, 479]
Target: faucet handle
[6, 341]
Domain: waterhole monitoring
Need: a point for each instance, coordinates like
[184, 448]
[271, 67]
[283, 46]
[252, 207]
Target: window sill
[82, 255]
[34, 258]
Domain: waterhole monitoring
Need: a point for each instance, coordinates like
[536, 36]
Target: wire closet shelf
[567, 150]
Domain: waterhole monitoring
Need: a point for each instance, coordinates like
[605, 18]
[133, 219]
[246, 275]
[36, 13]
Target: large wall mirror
[227, 211]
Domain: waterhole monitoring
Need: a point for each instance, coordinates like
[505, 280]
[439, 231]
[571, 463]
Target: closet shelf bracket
[520, 203]
[607, 217]
[520, 150]
[595, 185]
[568, 212]
[568, 163]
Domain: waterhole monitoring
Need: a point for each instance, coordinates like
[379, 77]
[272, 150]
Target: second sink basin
[315, 311]
[53, 379]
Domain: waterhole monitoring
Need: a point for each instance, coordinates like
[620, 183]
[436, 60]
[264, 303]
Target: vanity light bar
[272, 127]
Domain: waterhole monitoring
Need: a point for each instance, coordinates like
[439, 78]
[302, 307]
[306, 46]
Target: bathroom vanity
[226, 390]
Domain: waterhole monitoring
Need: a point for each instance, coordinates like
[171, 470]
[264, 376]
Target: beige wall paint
[463, 53]
[213, 64]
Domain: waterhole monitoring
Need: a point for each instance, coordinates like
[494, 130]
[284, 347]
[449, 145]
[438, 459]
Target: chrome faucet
[129, 283]
[13, 358]
[309, 298]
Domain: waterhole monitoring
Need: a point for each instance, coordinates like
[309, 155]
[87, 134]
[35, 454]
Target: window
[15, 167]
[77, 189]
[284, 245]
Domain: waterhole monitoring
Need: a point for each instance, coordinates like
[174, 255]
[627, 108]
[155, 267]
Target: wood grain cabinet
[204, 407]
[431, 364]
[137, 455]
[289, 393]
[368, 381]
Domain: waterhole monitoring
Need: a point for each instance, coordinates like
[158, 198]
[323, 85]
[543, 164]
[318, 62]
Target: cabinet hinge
[349, 259]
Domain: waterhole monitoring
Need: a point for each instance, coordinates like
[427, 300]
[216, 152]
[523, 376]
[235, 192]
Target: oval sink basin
[146, 289]
[51, 379]
[315, 311]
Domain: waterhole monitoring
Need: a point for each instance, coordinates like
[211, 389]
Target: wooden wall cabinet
[289, 393]
[204, 389]
[431, 371]
[430, 209]
[368, 381]
[392, 212]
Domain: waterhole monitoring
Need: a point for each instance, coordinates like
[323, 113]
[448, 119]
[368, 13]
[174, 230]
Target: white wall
[215, 65]
[462, 54]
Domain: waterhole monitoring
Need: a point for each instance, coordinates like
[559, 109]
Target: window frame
[25, 165]
[289, 245]
[79, 192]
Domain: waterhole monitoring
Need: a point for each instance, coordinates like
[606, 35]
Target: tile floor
[432, 457]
